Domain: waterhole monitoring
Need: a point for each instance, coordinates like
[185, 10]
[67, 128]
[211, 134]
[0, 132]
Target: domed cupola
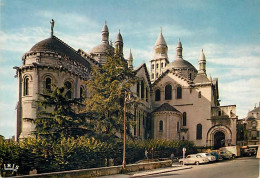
[160, 58]
[182, 66]
[119, 44]
[202, 75]
[99, 53]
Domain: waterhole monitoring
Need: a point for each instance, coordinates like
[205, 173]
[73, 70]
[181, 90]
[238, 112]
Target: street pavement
[244, 167]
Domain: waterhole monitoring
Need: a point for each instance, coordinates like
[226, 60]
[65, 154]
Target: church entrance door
[219, 140]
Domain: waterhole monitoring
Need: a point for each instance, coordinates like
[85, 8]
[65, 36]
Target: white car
[194, 159]
[209, 156]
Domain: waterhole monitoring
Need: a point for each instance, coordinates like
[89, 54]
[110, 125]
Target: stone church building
[180, 102]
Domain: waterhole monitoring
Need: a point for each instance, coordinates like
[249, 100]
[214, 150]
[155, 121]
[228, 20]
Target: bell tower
[160, 59]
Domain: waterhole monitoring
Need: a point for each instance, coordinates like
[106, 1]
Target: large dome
[54, 44]
[102, 48]
[180, 64]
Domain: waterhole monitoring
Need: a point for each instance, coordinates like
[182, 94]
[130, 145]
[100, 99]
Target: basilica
[180, 101]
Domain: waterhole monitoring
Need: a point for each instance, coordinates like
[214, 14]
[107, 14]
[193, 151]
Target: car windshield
[206, 154]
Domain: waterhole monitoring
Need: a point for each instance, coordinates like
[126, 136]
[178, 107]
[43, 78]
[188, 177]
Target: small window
[139, 126]
[157, 75]
[152, 66]
[161, 65]
[143, 119]
[157, 66]
[219, 113]
[161, 126]
[68, 86]
[134, 130]
[168, 92]
[152, 76]
[157, 95]
[137, 89]
[26, 86]
[179, 92]
[199, 94]
[146, 94]
[178, 127]
[81, 92]
[184, 117]
[199, 132]
[48, 84]
[142, 89]
[190, 76]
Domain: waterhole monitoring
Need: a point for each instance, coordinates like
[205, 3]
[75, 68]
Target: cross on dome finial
[161, 29]
[202, 50]
[52, 26]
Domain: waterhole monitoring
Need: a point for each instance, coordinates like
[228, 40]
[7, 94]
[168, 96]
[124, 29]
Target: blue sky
[228, 31]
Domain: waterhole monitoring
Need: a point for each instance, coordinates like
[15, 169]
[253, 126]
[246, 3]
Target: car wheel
[233, 156]
[181, 162]
[197, 162]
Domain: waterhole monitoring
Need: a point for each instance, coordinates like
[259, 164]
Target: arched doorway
[219, 139]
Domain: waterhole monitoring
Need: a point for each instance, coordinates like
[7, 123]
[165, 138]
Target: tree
[106, 87]
[60, 116]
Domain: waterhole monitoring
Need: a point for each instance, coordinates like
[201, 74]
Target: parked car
[209, 156]
[194, 159]
[248, 151]
[218, 156]
[226, 154]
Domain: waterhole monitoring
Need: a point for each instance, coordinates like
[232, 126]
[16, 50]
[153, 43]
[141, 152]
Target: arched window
[48, 84]
[142, 89]
[152, 76]
[68, 86]
[26, 86]
[157, 95]
[219, 113]
[168, 92]
[184, 119]
[199, 132]
[179, 92]
[146, 94]
[137, 89]
[81, 94]
[161, 126]
[190, 76]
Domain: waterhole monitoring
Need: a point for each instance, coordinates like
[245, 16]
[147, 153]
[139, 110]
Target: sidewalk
[149, 172]
[160, 170]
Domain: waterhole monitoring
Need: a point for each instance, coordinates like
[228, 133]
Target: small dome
[160, 40]
[179, 45]
[166, 107]
[102, 48]
[105, 28]
[180, 64]
[202, 56]
[119, 37]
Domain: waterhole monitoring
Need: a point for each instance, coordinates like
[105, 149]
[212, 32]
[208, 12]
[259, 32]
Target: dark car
[218, 157]
[225, 154]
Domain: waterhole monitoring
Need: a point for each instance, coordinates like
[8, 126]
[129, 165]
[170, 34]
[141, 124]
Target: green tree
[107, 87]
[60, 116]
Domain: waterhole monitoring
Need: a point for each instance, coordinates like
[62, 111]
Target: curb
[175, 168]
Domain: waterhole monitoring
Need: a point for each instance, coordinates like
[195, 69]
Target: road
[245, 167]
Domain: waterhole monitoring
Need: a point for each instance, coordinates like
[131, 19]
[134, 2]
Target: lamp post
[124, 163]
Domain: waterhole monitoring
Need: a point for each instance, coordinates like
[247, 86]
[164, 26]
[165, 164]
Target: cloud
[244, 93]
[68, 20]
[21, 41]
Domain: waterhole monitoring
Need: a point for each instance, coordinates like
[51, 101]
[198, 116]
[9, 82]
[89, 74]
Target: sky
[227, 31]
